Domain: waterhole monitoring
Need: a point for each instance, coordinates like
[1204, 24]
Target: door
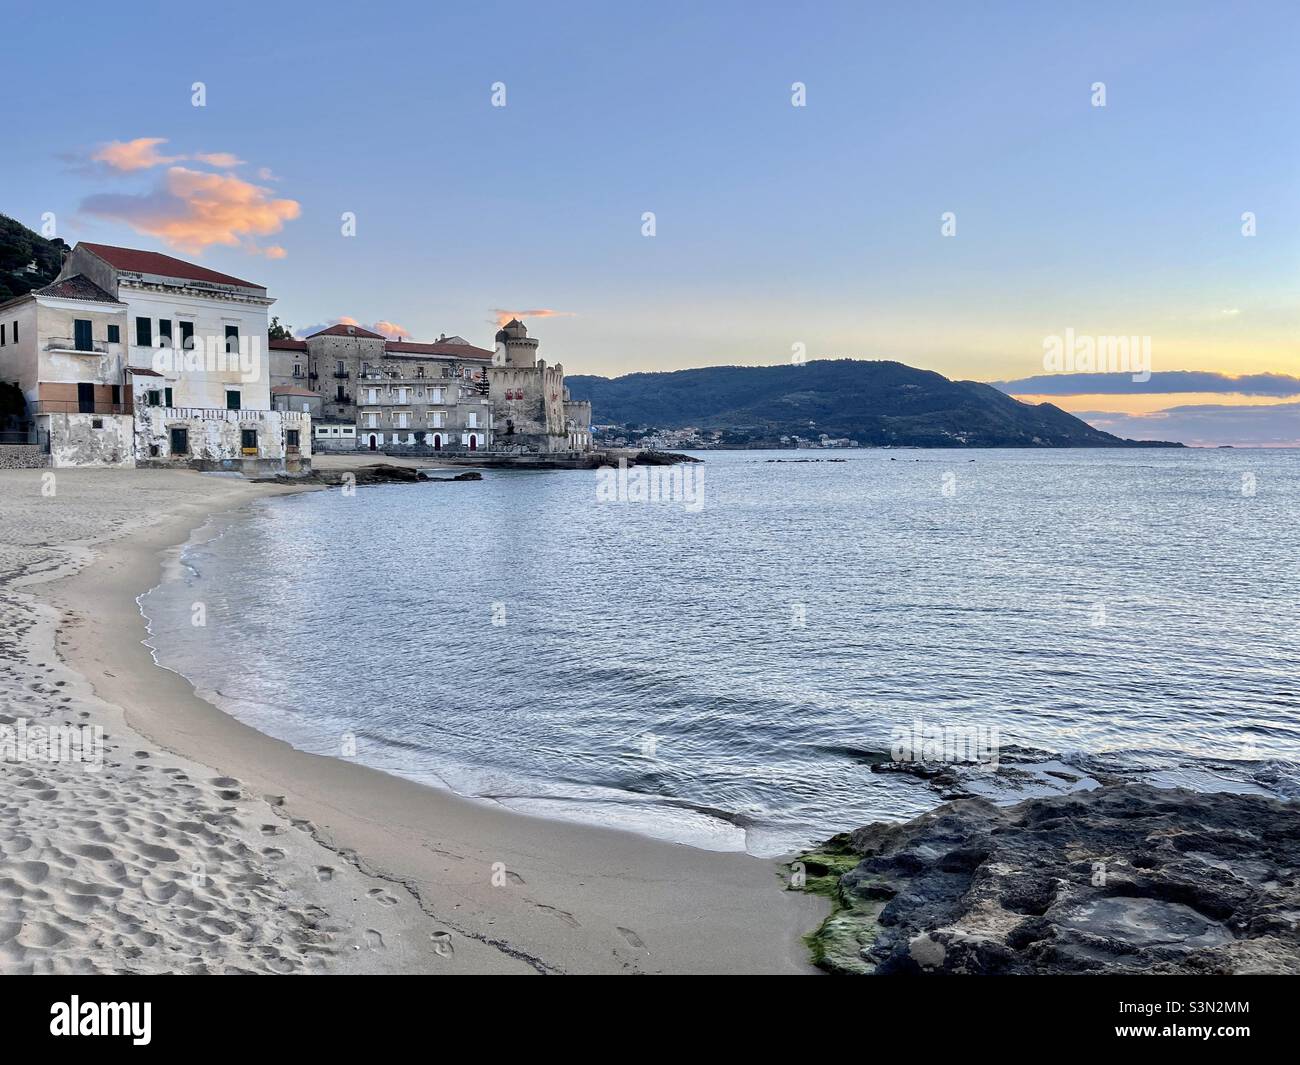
[373, 444]
[85, 399]
[437, 441]
[473, 442]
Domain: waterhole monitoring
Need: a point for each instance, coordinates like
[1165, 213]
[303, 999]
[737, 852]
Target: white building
[196, 375]
[62, 346]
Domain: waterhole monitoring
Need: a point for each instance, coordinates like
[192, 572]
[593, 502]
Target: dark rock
[1120, 879]
[662, 458]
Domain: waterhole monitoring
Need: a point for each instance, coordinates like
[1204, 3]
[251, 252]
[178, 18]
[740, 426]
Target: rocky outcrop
[1121, 879]
[376, 473]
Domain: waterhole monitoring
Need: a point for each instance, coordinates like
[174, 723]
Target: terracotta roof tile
[77, 287]
[458, 351]
[346, 331]
[152, 262]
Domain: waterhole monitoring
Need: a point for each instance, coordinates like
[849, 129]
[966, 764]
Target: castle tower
[514, 346]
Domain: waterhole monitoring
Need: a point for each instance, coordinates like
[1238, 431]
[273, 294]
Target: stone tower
[515, 347]
[529, 398]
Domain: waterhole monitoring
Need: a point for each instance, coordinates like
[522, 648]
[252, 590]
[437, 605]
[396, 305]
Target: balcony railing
[76, 406]
[70, 344]
[342, 375]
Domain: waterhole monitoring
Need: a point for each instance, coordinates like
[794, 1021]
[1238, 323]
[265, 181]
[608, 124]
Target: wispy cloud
[139, 154]
[192, 210]
[385, 328]
[224, 160]
[1164, 383]
[503, 316]
[1208, 425]
[144, 153]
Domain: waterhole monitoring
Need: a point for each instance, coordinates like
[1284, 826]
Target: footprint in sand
[324, 873]
[374, 940]
[381, 896]
[442, 945]
[563, 915]
[634, 939]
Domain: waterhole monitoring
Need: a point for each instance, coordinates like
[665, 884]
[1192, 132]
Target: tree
[278, 331]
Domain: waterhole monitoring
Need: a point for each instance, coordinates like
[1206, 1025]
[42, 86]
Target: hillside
[19, 247]
[875, 403]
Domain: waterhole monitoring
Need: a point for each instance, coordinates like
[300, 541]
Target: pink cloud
[139, 154]
[192, 210]
[384, 328]
[503, 316]
[224, 160]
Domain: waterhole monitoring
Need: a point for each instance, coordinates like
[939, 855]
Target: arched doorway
[374, 444]
[437, 441]
[473, 442]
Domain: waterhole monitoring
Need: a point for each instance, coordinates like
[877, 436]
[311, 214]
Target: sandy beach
[200, 845]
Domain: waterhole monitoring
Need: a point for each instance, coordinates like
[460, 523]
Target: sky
[952, 190]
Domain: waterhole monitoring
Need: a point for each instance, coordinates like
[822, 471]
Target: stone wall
[90, 439]
[215, 439]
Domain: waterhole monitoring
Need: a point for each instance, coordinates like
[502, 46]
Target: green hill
[875, 403]
[19, 247]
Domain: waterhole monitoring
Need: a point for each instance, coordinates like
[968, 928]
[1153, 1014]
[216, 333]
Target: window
[114, 334]
[117, 396]
[2, 336]
[180, 441]
[165, 332]
[15, 331]
[291, 437]
[297, 369]
[438, 419]
[85, 398]
[342, 396]
[471, 419]
[338, 367]
[232, 399]
[144, 332]
[435, 395]
[97, 423]
[155, 397]
[248, 441]
[167, 395]
[187, 335]
[232, 339]
[81, 331]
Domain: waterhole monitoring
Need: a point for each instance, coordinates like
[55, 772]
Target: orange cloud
[139, 154]
[192, 210]
[274, 251]
[225, 160]
[391, 330]
[542, 312]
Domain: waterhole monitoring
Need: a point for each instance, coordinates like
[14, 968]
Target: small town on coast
[133, 358]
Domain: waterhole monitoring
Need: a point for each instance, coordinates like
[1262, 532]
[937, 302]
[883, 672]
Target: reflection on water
[725, 675]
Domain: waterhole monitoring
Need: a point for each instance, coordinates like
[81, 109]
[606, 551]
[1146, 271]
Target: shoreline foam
[381, 874]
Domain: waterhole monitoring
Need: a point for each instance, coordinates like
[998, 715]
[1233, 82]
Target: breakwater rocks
[378, 473]
[1121, 879]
